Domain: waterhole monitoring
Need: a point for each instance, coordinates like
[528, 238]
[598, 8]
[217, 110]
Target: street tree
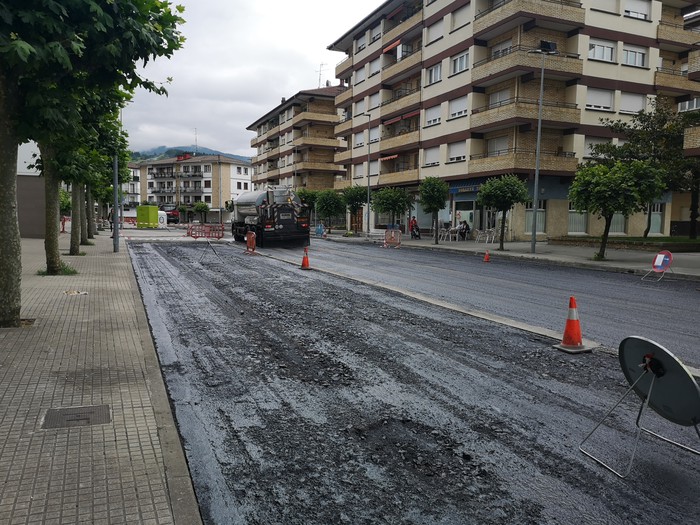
[329, 204]
[47, 43]
[202, 208]
[308, 197]
[354, 198]
[605, 190]
[393, 201]
[502, 193]
[655, 137]
[434, 193]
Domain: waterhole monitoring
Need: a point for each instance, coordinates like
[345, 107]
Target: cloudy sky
[239, 60]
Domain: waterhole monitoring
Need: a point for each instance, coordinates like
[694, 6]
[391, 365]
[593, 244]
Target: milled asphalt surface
[89, 345]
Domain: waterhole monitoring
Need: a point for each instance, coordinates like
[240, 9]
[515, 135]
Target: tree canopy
[434, 193]
[354, 198]
[502, 193]
[329, 204]
[394, 201]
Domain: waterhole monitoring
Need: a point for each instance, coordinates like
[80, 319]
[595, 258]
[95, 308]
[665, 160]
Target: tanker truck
[275, 215]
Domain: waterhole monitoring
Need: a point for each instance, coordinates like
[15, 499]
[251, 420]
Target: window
[374, 134]
[239, 185]
[207, 168]
[374, 167]
[657, 218]
[434, 74]
[460, 17]
[359, 171]
[638, 9]
[593, 141]
[359, 139]
[360, 106]
[458, 107]
[245, 185]
[600, 99]
[434, 32]
[185, 169]
[541, 216]
[456, 151]
[632, 102]
[601, 50]
[502, 48]
[460, 62]
[499, 98]
[245, 170]
[431, 156]
[497, 146]
[360, 42]
[634, 56]
[207, 184]
[360, 75]
[689, 105]
[207, 199]
[432, 116]
[375, 66]
[238, 170]
[375, 32]
[618, 224]
[374, 100]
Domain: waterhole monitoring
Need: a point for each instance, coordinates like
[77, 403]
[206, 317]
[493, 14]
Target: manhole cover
[76, 416]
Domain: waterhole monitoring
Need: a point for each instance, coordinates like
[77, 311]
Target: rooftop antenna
[195, 142]
[320, 72]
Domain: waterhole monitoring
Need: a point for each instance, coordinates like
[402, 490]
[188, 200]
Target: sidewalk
[116, 456]
[684, 266]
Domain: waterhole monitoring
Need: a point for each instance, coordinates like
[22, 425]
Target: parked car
[172, 213]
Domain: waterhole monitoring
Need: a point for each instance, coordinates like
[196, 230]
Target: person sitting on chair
[464, 230]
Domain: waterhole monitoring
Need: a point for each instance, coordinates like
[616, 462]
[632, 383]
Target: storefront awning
[388, 157]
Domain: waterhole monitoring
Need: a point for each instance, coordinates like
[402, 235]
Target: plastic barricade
[206, 231]
[392, 238]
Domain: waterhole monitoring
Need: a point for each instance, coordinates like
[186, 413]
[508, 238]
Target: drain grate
[76, 416]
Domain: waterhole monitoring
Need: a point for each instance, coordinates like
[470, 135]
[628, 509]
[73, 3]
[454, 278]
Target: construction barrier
[250, 243]
[207, 231]
[392, 238]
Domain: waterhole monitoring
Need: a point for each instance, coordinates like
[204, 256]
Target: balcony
[517, 61]
[674, 82]
[691, 142]
[407, 63]
[343, 68]
[318, 142]
[505, 15]
[343, 157]
[670, 33]
[306, 117]
[403, 99]
[523, 159]
[406, 176]
[309, 165]
[344, 98]
[344, 127]
[405, 22]
[341, 184]
[401, 140]
[523, 109]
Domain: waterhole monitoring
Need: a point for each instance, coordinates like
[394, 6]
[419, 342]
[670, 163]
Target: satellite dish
[663, 383]
[676, 395]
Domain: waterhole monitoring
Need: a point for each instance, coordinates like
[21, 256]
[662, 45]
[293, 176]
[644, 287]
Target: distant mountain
[164, 152]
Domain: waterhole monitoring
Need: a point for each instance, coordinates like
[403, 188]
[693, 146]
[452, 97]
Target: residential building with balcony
[296, 142]
[188, 179]
[451, 89]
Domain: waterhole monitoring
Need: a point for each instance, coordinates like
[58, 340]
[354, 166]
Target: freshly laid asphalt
[115, 456]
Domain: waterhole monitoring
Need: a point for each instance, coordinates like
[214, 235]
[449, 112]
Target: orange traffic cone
[305, 260]
[487, 257]
[572, 342]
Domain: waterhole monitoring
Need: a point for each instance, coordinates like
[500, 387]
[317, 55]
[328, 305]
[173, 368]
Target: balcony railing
[512, 151]
[500, 3]
[520, 48]
[522, 100]
[399, 94]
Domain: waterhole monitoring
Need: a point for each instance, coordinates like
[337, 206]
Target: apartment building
[296, 142]
[451, 89]
[188, 179]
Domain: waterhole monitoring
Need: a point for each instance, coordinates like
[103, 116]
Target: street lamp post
[546, 48]
[369, 118]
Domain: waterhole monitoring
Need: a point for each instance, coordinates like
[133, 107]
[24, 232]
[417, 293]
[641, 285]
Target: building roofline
[329, 93]
[345, 41]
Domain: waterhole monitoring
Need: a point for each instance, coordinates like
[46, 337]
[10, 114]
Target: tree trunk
[604, 241]
[436, 230]
[75, 220]
[92, 227]
[10, 241]
[83, 217]
[52, 185]
[694, 203]
[648, 228]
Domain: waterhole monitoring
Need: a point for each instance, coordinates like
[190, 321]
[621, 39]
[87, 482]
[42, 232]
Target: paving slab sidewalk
[88, 346]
